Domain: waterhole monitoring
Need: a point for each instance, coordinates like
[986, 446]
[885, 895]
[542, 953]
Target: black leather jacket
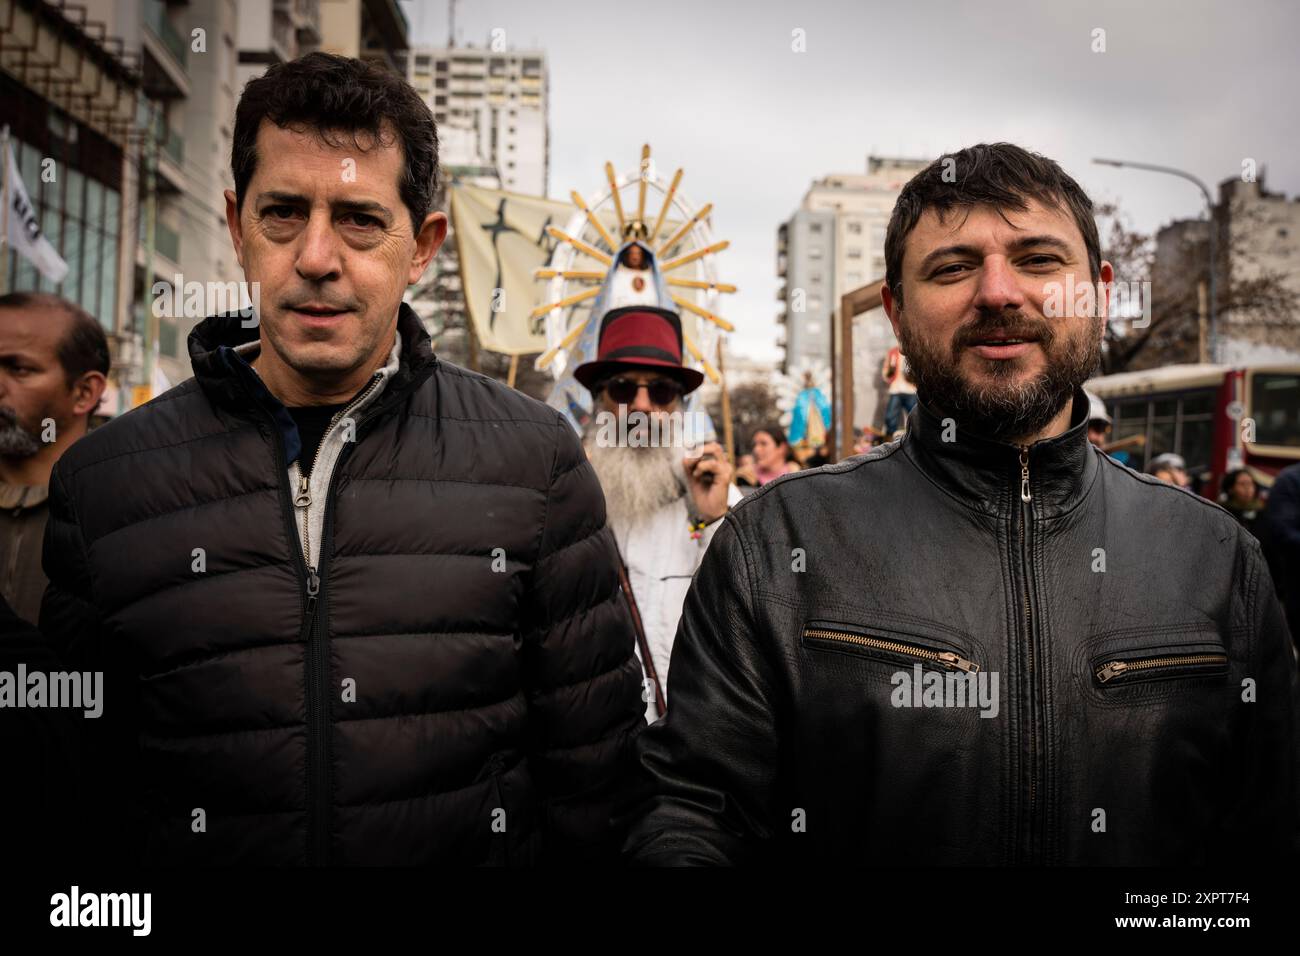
[785, 740]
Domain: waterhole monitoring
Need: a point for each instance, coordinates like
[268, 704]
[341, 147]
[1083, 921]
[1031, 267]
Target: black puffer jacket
[787, 738]
[465, 651]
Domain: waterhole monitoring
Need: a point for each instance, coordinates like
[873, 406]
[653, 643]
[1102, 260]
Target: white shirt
[661, 558]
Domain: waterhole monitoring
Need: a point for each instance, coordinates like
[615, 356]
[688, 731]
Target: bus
[1217, 417]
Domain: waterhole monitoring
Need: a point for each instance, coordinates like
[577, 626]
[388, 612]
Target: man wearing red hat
[664, 492]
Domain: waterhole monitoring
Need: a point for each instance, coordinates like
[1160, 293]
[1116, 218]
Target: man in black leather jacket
[986, 643]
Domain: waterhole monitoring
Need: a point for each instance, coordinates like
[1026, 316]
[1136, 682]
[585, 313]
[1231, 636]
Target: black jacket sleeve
[73, 626]
[1281, 532]
[68, 619]
[582, 676]
[708, 767]
[1262, 819]
[38, 753]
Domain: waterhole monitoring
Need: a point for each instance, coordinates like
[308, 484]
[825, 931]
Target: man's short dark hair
[331, 95]
[1001, 175]
[84, 348]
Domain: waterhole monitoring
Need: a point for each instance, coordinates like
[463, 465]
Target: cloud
[715, 88]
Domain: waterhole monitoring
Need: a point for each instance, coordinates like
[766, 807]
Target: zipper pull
[303, 498]
[959, 663]
[1024, 474]
[1113, 669]
[313, 588]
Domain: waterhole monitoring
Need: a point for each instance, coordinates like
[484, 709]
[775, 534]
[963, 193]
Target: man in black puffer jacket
[354, 605]
[987, 643]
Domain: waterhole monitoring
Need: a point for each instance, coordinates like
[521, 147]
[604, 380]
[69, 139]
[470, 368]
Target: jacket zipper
[318, 808]
[311, 584]
[1026, 516]
[302, 499]
[946, 659]
[1113, 669]
[318, 672]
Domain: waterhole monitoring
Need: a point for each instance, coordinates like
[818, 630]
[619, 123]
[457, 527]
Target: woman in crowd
[773, 456]
[1241, 497]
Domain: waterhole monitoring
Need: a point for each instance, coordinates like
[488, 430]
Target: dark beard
[16, 441]
[1000, 409]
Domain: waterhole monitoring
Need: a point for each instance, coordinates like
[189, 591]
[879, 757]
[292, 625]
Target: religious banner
[501, 239]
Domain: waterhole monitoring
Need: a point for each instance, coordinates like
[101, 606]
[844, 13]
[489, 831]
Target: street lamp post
[1213, 244]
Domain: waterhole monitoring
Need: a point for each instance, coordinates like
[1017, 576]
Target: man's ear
[1107, 282]
[892, 309]
[232, 223]
[427, 243]
[88, 391]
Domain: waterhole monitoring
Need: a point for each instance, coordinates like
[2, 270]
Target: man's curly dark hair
[337, 96]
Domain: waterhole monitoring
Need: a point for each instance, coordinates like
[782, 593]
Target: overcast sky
[715, 87]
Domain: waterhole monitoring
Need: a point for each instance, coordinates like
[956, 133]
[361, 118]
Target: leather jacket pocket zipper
[1160, 668]
[888, 649]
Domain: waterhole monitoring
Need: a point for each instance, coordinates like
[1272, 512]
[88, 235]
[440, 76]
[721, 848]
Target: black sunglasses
[663, 391]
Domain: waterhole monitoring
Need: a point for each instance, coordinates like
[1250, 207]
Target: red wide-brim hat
[639, 336]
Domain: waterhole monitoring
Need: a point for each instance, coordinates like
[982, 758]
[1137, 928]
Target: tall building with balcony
[161, 183]
[373, 30]
[1261, 233]
[274, 31]
[491, 108]
[197, 143]
[189, 62]
[1258, 238]
[70, 81]
[805, 251]
[140, 149]
[834, 243]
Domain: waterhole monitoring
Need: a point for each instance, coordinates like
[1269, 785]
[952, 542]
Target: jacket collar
[985, 474]
[226, 382]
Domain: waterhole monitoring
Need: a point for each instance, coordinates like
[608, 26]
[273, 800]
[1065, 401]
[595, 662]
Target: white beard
[637, 481]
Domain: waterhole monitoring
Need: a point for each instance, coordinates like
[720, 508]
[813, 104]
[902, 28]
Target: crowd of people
[1269, 515]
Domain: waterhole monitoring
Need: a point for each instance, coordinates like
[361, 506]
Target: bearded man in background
[664, 496]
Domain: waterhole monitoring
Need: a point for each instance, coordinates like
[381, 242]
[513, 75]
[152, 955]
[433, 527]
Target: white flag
[24, 230]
